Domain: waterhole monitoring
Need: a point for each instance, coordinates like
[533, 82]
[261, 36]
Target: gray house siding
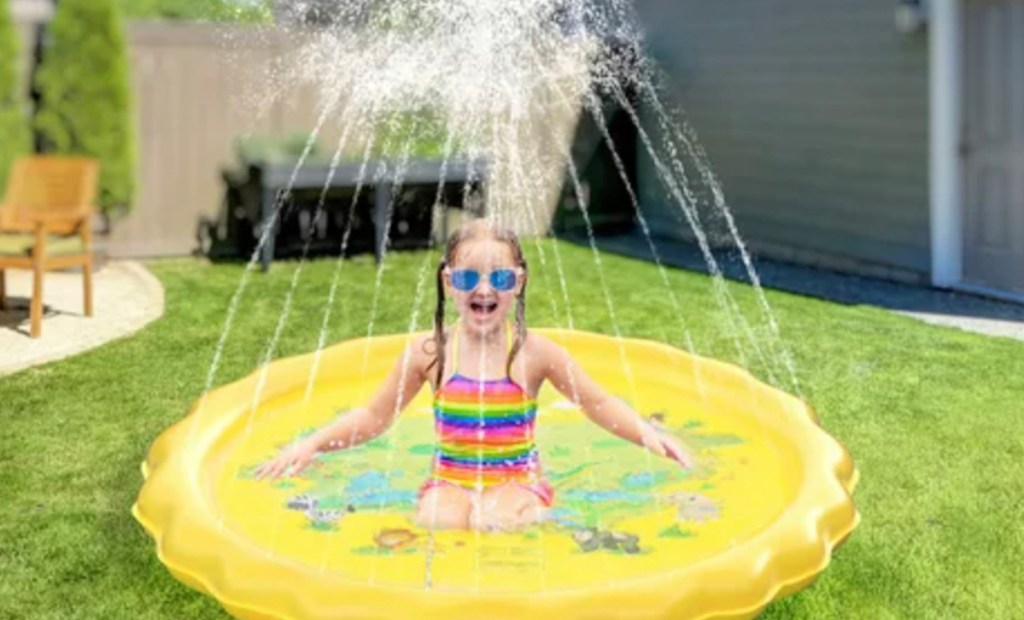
[814, 115]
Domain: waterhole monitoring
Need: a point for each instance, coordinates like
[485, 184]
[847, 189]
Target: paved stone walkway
[938, 307]
[126, 298]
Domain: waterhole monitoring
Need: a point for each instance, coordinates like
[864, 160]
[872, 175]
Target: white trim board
[946, 122]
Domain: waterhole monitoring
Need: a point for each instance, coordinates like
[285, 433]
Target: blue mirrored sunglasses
[465, 280]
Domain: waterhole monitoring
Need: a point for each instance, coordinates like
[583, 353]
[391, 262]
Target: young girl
[486, 472]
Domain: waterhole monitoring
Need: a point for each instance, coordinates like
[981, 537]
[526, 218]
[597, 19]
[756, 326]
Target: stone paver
[126, 298]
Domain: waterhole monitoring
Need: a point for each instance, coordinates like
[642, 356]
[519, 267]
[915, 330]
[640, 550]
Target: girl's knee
[506, 507]
[441, 508]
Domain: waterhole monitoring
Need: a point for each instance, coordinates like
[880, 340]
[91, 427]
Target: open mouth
[483, 308]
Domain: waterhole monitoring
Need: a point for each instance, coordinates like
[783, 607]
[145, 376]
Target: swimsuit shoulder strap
[455, 349]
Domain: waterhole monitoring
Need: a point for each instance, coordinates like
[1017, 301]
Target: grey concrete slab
[126, 298]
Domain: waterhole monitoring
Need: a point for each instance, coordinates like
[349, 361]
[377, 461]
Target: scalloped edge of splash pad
[737, 582]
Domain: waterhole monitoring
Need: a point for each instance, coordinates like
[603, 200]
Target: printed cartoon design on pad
[592, 539]
[395, 539]
[694, 507]
[321, 520]
[598, 487]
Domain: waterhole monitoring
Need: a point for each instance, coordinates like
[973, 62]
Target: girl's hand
[665, 445]
[674, 450]
[293, 459]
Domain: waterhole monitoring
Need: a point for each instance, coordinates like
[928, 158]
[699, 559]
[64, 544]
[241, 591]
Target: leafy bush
[423, 132]
[85, 106]
[267, 149]
[252, 11]
[14, 131]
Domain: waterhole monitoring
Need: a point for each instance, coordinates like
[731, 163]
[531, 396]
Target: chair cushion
[20, 244]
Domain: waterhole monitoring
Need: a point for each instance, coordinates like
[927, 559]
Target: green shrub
[14, 129]
[273, 149]
[85, 106]
[422, 131]
[255, 11]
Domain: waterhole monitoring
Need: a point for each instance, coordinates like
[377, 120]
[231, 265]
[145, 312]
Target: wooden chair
[46, 223]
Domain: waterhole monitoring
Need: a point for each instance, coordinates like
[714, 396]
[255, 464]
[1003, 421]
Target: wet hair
[474, 230]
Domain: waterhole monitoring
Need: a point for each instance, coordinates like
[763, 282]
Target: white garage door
[994, 144]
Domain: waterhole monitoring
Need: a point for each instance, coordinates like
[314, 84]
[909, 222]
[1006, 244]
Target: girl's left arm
[602, 408]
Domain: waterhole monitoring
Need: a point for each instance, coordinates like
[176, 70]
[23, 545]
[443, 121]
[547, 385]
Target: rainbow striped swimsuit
[485, 436]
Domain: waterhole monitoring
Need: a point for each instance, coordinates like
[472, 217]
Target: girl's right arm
[361, 424]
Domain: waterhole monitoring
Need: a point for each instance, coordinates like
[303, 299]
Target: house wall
[814, 115]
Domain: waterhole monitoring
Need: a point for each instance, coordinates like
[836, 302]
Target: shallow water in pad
[629, 535]
[620, 514]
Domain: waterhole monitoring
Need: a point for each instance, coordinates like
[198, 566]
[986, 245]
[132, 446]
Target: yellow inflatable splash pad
[629, 536]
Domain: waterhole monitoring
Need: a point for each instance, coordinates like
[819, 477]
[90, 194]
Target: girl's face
[483, 309]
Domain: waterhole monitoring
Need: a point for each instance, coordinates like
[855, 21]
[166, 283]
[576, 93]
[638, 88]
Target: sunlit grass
[934, 418]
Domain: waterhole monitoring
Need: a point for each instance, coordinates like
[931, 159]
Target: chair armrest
[68, 223]
[30, 222]
[47, 219]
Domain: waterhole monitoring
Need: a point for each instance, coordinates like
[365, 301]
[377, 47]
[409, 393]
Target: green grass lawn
[934, 418]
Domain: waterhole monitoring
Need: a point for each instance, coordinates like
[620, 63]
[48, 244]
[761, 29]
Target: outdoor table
[380, 176]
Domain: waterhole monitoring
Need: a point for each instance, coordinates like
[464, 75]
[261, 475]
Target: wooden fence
[198, 88]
